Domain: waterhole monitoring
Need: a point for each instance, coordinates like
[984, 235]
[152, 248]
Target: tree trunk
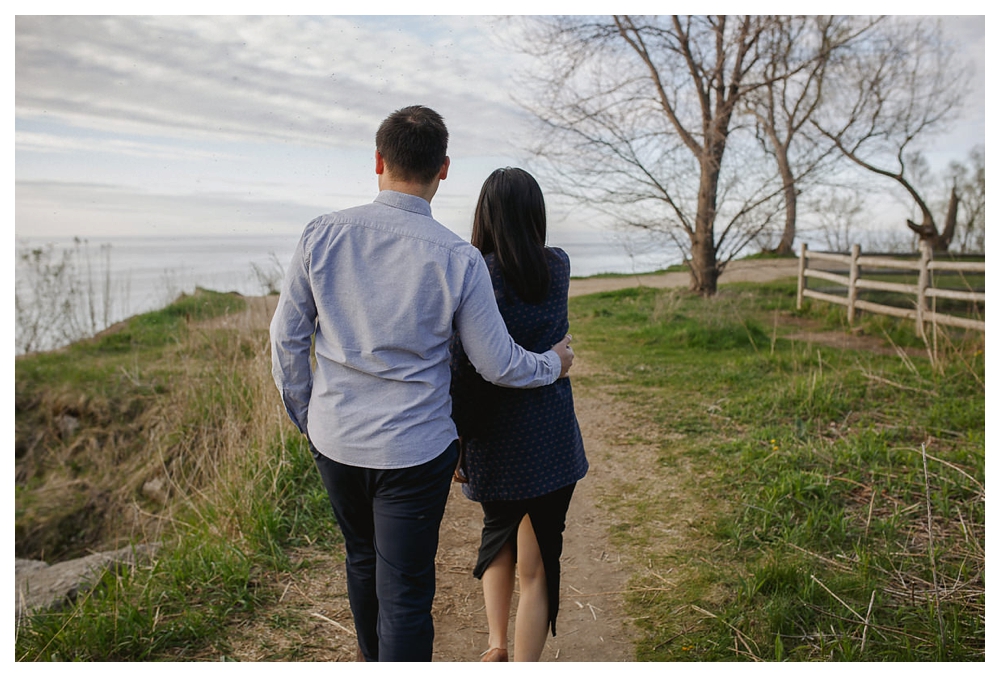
[704, 260]
[704, 268]
[928, 232]
[950, 220]
[791, 200]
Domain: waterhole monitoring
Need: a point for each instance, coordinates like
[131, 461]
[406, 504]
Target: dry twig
[334, 623]
[864, 634]
[930, 546]
[739, 638]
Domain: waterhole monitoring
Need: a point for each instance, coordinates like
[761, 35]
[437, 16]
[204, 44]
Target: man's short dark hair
[413, 143]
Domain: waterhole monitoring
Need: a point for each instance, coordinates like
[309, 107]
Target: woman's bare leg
[531, 626]
[498, 588]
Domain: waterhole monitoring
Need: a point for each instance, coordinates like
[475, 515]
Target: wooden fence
[923, 291]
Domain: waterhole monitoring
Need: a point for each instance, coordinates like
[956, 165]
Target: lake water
[147, 273]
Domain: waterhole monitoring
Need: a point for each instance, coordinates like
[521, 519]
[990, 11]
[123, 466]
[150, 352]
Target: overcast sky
[178, 125]
[175, 125]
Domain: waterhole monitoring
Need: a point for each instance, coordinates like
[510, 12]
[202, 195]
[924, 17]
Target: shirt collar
[405, 201]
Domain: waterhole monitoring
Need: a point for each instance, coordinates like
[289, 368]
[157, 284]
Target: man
[379, 289]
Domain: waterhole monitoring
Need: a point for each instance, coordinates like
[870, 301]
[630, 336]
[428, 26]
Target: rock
[68, 425]
[155, 490]
[41, 586]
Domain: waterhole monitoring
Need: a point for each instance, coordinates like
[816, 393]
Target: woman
[522, 450]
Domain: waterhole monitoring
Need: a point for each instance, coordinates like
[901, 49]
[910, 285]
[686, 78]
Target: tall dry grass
[207, 466]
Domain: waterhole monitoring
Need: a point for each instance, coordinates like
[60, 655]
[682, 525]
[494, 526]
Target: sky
[193, 125]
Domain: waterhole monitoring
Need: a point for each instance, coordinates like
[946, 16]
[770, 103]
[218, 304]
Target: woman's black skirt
[501, 520]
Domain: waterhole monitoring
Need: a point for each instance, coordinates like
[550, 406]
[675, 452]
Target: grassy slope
[796, 478]
[160, 399]
[805, 507]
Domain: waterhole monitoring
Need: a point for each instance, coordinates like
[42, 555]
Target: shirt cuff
[554, 362]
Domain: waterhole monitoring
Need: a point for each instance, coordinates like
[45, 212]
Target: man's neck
[422, 190]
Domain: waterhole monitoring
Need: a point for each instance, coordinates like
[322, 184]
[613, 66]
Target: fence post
[923, 280]
[852, 285]
[802, 276]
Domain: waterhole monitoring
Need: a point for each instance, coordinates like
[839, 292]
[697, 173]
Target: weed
[187, 409]
[798, 504]
[829, 538]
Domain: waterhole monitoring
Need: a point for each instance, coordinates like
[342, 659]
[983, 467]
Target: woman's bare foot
[495, 655]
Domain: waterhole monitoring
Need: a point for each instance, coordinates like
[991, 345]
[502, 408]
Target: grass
[162, 398]
[831, 501]
[87, 417]
[788, 501]
[209, 577]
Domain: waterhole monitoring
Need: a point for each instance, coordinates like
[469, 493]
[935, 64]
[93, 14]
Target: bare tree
[969, 182]
[837, 213]
[43, 303]
[60, 295]
[889, 95]
[797, 52]
[638, 117]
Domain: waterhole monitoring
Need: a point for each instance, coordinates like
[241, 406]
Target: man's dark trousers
[390, 520]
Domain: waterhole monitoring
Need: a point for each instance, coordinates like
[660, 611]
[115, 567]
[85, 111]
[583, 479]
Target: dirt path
[260, 308]
[312, 620]
[592, 624]
[763, 270]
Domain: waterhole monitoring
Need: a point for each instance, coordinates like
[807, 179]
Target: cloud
[41, 142]
[304, 80]
[205, 119]
[62, 208]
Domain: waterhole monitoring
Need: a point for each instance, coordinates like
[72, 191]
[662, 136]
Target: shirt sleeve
[292, 329]
[489, 346]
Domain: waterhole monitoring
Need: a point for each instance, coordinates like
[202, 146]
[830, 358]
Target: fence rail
[923, 291]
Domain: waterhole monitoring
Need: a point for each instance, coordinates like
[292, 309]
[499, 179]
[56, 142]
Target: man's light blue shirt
[382, 287]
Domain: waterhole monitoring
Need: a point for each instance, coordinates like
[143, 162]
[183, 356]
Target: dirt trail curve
[261, 308]
[592, 625]
[762, 270]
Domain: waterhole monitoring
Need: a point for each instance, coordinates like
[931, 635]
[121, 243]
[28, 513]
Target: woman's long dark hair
[510, 223]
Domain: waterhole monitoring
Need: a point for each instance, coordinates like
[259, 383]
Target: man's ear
[379, 163]
[444, 168]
